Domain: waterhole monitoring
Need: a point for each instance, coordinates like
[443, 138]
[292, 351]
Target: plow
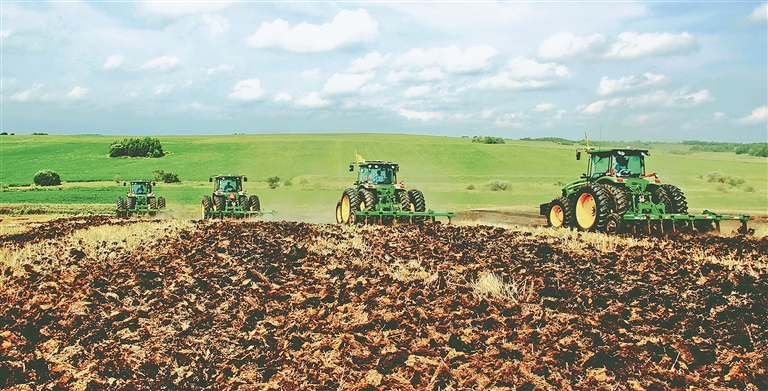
[140, 200]
[229, 199]
[617, 195]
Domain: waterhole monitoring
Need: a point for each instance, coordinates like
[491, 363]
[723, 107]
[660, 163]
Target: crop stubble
[283, 305]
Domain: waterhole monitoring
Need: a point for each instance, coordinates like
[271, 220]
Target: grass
[452, 172]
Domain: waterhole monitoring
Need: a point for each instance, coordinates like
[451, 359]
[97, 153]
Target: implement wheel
[419, 204]
[205, 207]
[350, 203]
[593, 204]
[560, 213]
[614, 224]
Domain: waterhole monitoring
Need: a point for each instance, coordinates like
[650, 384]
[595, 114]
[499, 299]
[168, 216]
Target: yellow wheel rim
[338, 214]
[586, 211]
[556, 216]
[345, 209]
[362, 205]
[202, 211]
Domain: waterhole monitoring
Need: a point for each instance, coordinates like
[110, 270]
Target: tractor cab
[373, 173]
[228, 183]
[619, 163]
[140, 188]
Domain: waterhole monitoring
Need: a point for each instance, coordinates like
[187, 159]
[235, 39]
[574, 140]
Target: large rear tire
[121, 207]
[160, 202]
[131, 202]
[593, 204]
[679, 203]
[405, 206]
[243, 202]
[254, 203]
[350, 203]
[619, 196]
[659, 196]
[221, 204]
[368, 202]
[205, 206]
[419, 204]
[560, 213]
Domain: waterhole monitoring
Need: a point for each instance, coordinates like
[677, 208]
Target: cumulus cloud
[114, 61]
[217, 24]
[313, 74]
[626, 46]
[161, 63]
[544, 107]
[313, 100]
[347, 27]
[283, 97]
[451, 58]
[163, 89]
[368, 63]
[422, 115]
[758, 115]
[759, 15]
[5, 33]
[417, 91]
[371, 89]
[662, 99]
[221, 68]
[247, 90]
[526, 74]
[176, 8]
[611, 86]
[344, 83]
[77, 93]
[512, 120]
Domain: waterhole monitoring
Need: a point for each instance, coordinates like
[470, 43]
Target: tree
[47, 178]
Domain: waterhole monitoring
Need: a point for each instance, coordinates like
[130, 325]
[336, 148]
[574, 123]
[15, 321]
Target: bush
[719, 177]
[756, 149]
[288, 182]
[497, 185]
[117, 179]
[137, 147]
[274, 182]
[471, 187]
[166, 177]
[487, 140]
[47, 178]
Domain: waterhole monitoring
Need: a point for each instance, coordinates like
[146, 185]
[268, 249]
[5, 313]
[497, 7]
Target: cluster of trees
[557, 140]
[754, 149]
[137, 147]
[166, 177]
[487, 140]
[47, 178]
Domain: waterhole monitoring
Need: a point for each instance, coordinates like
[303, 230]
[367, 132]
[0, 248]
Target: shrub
[137, 147]
[287, 182]
[47, 178]
[274, 182]
[487, 140]
[166, 177]
[117, 179]
[471, 187]
[719, 177]
[303, 182]
[497, 185]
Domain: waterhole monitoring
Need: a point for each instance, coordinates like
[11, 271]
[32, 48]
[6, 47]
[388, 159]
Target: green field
[317, 166]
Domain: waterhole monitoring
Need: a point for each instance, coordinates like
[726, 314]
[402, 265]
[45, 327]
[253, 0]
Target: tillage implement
[229, 199]
[617, 195]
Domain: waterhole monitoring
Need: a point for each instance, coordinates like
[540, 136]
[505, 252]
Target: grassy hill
[317, 167]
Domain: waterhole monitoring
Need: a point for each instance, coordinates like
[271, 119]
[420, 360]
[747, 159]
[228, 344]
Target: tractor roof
[372, 163]
[619, 151]
[228, 176]
[139, 182]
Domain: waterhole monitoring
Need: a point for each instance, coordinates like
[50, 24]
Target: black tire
[160, 202]
[221, 203]
[614, 224]
[350, 203]
[659, 196]
[152, 203]
[679, 203]
[121, 207]
[593, 204]
[368, 202]
[560, 213]
[206, 206]
[131, 202]
[243, 202]
[419, 204]
[254, 203]
[405, 206]
[620, 199]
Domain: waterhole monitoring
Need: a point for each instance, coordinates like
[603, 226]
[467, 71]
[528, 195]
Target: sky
[651, 71]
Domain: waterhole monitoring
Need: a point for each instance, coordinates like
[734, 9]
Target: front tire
[593, 204]
[560, 213]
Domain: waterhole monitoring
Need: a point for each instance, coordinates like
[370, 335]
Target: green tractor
[379, 198]
[140, 200]
[229, 199]
[617, 194]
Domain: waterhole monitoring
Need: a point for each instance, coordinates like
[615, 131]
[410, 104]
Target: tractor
[230, 199]
[377, 197]
[140, 200]
[617, 194]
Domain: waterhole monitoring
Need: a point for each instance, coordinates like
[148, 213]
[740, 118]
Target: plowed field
[105, 304]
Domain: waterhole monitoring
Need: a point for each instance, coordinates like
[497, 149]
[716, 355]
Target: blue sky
[652, 71]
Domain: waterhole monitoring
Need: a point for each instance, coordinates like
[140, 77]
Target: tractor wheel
[243, 202]
[679, 203]
[560, 213]
[254, 203]
[368, 202]
[160, 202]
[593, 205]
[221, 204]
[659, 196]
[339, 218]
[205, 207]
[131, 203]
[405, 205]
[121, 207]
[620, 200]
[350, 203]
[614, 224]
[419, 204]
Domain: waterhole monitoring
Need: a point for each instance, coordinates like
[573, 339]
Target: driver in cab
[621, 166]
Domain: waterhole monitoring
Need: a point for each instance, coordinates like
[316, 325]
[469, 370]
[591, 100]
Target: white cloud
[313, 100]
[77, 92]
[163, 89]
[283, 97]
[422, 115]
[641, 119]
[661, 98]
[114, 61]
[344, 83]
[371, 89]
[758, 115]
[417, 91]
[612, 86]
[627, 45]
[451, 58]
[544, 107]
[5, 33]
[368, 63]
[216, 23]
[487, 113]
[221, 68]
[346, 27]
[176, 8]
[247, 90]
[759, 15]
[161, 63]
[526, 74]
[22, 96]
[313, 74]
[510, 120]
[560, 114]
[719, 115]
